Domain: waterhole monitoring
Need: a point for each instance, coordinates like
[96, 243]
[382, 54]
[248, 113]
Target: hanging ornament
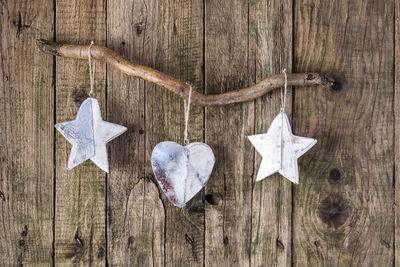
[88, 133]
[279, 148]
[182, 171]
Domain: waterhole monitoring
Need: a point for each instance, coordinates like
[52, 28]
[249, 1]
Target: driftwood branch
[181, 88]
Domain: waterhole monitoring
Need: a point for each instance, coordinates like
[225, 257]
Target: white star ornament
[88, 134]
[280, 149]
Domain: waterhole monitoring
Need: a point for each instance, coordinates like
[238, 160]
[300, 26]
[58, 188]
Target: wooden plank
[175, 46]
[168, 37]
[135, 211]
[229, 191]
[271, 52]
[26, 134]
[343, 213]
[397, 134]
[81, 192]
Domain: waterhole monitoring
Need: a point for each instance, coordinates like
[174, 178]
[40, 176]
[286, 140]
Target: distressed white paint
[280, 149]
[182, 171]
[88, 134]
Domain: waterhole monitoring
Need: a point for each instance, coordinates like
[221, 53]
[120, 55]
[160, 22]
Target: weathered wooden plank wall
[344, 211]
[396, 103]
[228, 217]
[26, 134]
[80, 198]
[343, 207]
[271, 51]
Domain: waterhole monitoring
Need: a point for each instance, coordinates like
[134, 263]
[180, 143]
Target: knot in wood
[334, 210]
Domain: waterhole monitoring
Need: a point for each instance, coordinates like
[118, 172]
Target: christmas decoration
[88, 133]
[282, 158]
[279, 148]
[181, 171]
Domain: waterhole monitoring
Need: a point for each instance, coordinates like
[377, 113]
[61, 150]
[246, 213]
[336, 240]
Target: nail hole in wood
[2, 196]
[189, 239]
[79, 95]
[279, 244]
[139, 28]
[101, 253]
[212, 199]
[335, 175]
[25, 231]
[78, 239]
[226, 240]
[310, 77]
[336, 86]
[141, 131]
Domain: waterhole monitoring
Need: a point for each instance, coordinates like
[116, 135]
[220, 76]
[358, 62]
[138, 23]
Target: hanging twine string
[91, 70]
[283, 93]
[187, 110]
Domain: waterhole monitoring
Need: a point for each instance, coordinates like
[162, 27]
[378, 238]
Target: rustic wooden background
[343, 212]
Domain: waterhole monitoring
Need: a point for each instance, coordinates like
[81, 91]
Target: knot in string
[187, 110]
[283, 92]
[91, 70]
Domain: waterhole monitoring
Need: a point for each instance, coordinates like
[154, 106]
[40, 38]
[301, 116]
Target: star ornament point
[280, 149]
[89, 134]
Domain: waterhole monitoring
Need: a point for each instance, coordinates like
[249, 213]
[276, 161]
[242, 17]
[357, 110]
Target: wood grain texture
[174, 45]
[26, 134]
[135, 212]
[80, 193]
[343, 207]
[344, 212]
[397, 133]
[271, 52]
[229, 190]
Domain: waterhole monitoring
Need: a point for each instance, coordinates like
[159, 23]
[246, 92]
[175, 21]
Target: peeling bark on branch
[181, 88]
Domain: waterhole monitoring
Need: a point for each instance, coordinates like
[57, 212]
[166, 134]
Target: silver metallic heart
[88, 134]
[182, 171]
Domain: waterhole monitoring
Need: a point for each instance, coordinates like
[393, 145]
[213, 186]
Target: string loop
[91, 70]
[283, 94]
[187, 110]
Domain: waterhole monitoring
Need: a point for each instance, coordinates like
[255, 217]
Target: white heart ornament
[182, 171]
